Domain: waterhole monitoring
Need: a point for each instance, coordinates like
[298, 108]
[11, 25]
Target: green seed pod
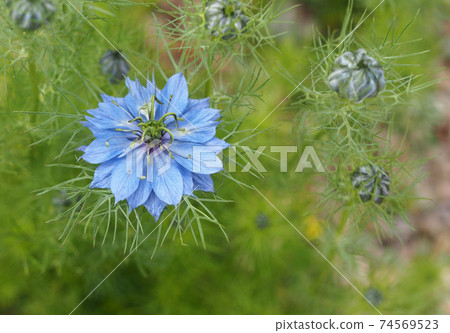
[114, 66]
[373, 183]
[225, 18]
[30, 14]
[357, 76]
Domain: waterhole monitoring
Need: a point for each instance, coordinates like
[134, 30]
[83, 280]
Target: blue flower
[154, 146]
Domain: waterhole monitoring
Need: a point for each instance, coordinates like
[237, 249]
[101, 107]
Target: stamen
[148, 154]
[137, 118]
[168, 106]
[170, 114]
[125, 130]
[115, 136]
[116, 104]
[173, 114]
[168, 150]
[152, 107]
[144, 133]
[167, 131]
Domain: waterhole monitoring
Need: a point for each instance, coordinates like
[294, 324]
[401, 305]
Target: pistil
[152, 129]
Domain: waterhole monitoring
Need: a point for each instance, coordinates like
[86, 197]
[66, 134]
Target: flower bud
[225, 18]
[373, 183]
[356, 76]
[31, 14]
[114, 66]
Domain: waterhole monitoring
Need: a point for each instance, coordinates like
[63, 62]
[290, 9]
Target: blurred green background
[265, 267]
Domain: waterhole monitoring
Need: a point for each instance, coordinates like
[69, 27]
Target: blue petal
[123, 183]
[110, 124]
[109, 133]
[105, 148]
[197, 104]
[111, 116]
[199, 158]
[140, 196]
[176, 87]
[136, 160]
[203, 182]
[110, 110]
[167, 181]
[198, 126]
[107, 98]
[188, 184]
[218, 144]
[155, 206]
[94, 129]
[133, 107]
[102, 175]
[202, 115]
[153, 88]
[140, 94]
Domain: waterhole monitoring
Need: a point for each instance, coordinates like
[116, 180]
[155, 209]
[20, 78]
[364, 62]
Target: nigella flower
[357, 76]
[373, 182]
[31, 14]
[154, 146]
[225, 18]
[114, 66]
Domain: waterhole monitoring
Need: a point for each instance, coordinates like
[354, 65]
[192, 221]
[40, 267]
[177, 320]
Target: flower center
[153, 130]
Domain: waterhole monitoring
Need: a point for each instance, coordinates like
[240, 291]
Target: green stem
[342, 222]
[35, 87]
[208, 88]
[209, 66]
[34, 78]
[35, 156]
